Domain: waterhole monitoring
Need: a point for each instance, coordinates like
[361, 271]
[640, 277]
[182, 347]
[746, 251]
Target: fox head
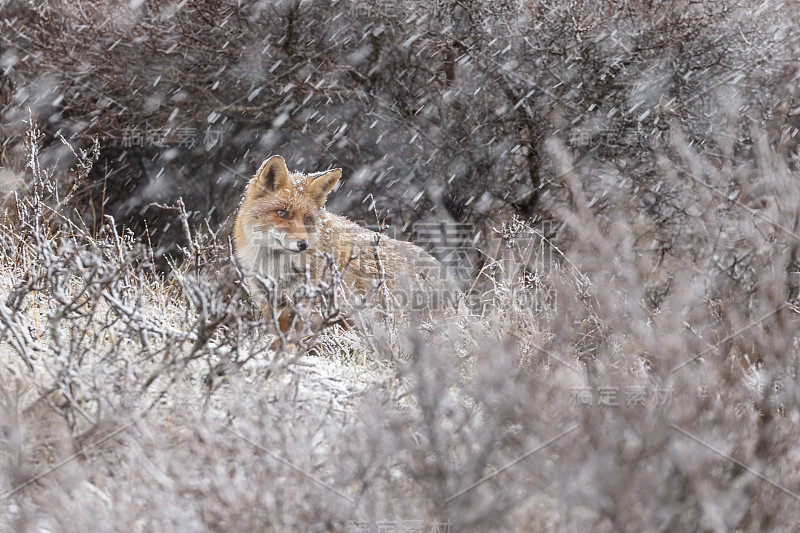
[281, 209]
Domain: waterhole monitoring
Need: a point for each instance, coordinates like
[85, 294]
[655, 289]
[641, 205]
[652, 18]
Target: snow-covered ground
[89, 401]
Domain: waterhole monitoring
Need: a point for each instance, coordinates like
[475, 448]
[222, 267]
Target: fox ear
[323, 184]
[273, 175]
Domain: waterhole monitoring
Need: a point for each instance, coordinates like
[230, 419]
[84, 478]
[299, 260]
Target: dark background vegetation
[434, 109]
[628, 174]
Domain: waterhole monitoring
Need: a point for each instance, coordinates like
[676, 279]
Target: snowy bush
[623, 183]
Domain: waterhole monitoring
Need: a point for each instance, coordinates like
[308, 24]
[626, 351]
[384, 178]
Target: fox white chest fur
[259, 258]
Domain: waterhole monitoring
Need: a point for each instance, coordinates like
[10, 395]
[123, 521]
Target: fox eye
[308, 221]
[282, 213]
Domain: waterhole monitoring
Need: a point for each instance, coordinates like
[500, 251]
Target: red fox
[283, 232]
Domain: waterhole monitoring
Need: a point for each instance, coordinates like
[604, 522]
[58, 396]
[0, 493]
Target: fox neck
[287, 269]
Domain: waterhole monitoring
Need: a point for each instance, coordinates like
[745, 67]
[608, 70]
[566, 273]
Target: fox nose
[302, 245]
